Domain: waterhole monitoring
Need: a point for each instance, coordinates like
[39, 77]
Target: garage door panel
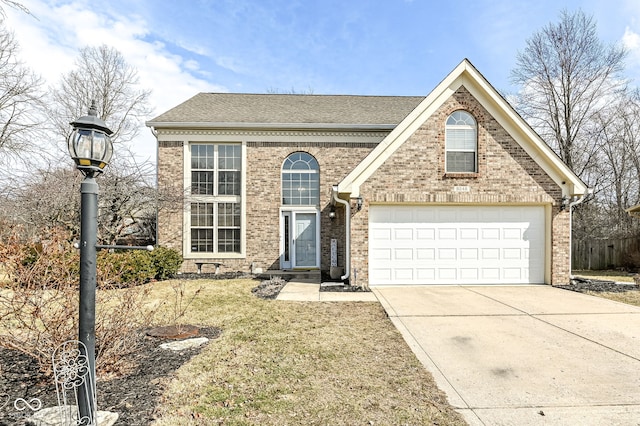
[425, 253]
[404, 254]
[512, 234]
[381, 234]
[490, 253]
[447, 234]
[381, 254]
[426, 274]
[490, 274]
[469, 274]
[469, 233]
[469, 254]
[452, 245]
[511, 254]
[403, 234]
[403, 274]
[447, 274]
[447, 254]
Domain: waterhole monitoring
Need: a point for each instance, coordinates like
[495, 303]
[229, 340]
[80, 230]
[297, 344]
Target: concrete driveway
[524, 355]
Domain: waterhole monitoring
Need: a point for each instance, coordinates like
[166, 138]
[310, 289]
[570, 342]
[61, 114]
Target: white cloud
[50, 38]
[631, 40]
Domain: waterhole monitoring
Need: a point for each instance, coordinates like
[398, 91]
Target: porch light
[90, 144]
[332, 212]
[359, 202]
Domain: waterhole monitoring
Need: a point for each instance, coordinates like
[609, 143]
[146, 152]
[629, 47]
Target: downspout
[154, 132]
[347, 237]
[571, 206]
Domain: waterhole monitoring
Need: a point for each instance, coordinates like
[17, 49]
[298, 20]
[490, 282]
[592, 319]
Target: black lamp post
[91, 148]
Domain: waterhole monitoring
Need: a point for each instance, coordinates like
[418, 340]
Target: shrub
[124, 269]
[166, 262]
[39, 300]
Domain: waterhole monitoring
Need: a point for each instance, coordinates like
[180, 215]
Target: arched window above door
[300, 180]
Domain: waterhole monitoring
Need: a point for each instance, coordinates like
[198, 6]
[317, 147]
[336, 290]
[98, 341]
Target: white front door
[299, 241]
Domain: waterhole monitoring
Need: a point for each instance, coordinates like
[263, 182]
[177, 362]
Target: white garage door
[456, 245]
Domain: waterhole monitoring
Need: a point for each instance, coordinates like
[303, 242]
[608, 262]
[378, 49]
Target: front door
[299, 240]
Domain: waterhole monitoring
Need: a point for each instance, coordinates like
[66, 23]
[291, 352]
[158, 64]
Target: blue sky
[383, 47]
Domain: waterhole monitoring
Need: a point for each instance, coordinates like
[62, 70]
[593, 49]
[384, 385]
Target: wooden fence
[605, 253]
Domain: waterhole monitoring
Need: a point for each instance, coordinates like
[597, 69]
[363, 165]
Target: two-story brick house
[449, 188]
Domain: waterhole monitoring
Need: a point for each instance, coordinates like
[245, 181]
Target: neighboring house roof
[465, 74]
[276, 110]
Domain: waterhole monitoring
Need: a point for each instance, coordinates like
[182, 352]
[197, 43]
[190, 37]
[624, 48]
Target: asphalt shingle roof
[290, 109]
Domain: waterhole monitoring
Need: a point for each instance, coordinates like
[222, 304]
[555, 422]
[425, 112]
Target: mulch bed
[135, 397]
[584, 285]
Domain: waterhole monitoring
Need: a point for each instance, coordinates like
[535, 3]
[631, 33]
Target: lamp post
[91, 148]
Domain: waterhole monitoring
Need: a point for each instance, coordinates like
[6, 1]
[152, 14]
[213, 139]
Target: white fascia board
[412, 122]
[524, 135]
[466, 75]
[279, 126]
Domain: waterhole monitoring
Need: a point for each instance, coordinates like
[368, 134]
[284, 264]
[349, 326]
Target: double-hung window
[215, 217]
[461, 143]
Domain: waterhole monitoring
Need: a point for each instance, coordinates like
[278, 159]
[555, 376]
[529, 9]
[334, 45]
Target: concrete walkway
[309, 291]
[524, 355]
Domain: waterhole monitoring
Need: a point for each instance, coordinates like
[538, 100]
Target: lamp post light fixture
[91, 148]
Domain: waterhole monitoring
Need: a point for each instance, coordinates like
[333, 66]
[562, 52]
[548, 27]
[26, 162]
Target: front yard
[297, 363]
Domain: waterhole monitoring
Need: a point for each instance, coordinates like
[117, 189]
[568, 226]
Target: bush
[124, 269]
[39, 299]
[166, 262]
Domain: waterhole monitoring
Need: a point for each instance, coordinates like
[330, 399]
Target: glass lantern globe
[90, 144]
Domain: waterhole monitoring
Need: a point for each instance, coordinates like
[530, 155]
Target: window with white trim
[215, 217]
[300, 180]
[461, 143]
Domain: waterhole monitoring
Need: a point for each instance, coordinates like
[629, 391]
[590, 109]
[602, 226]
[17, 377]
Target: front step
[308, 275]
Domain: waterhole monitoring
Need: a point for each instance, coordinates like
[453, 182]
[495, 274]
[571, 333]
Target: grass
[297, 363]
[606, 275]
[629, 297]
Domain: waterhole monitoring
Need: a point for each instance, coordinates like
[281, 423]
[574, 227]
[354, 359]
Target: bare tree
[20, 106]
[567, 76]
[102, 75]
[50, 198]
[127, 194]
[14, 5]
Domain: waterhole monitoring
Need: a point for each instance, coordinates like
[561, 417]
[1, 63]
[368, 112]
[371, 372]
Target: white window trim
[447, 150]
[198, 198]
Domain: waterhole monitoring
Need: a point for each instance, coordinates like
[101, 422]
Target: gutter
[277, 126]
[347, 225]
[154, 132]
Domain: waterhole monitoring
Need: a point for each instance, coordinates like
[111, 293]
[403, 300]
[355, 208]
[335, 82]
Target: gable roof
[465, 74]
[288, 111]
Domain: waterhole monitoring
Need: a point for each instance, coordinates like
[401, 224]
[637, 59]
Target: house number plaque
[461, 189]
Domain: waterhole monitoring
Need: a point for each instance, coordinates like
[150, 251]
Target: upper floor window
[215, 219]
[461, 143]
[215, 169]
[300, 180]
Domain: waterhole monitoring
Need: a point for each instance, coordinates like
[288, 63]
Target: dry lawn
[606, 275]
[629, 297]
[297, 363]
